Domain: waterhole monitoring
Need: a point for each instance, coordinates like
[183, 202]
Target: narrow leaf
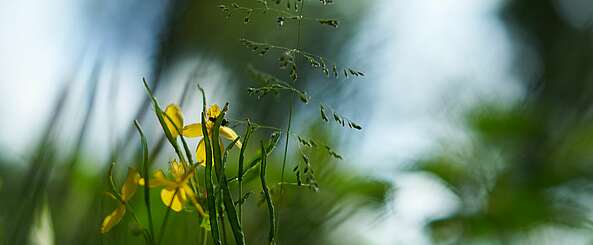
[268, 197]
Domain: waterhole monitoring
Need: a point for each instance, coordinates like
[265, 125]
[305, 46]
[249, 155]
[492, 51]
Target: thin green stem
[221, 220]
[256, 125]
[267, 196]
[147, 236]
[240, 170]
[159, 114]
[281, 48]
[117, 196]
[296, 184]
[287, 15]
[164, 224]
[146, 177]
[204, 237]
[253, 164]
[208, 175]
[289, 119]
[185, 146]
[227, 199]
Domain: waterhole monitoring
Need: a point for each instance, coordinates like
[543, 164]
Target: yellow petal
[177, 169]
[213, 111]
[193, 130]
[192, 197]
[129, 187]
[209, 126]
[229, 133]
[171, 197]
[201, 153]
[188, 191]
[221, 147]
[158, 179]
[113, 218]
[182, 195]
[174, 112]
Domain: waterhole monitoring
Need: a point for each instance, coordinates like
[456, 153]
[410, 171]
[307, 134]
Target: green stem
[164, 224]
[289, 116]
[159, 114]
[253, 164]
[147, 237]
[221, 219]
[205, 237]
[222, 181]
[240, 170]
[128, 206]
[208, 176]
[272, 216]
[185, 146]
[146, 177]
[288, 15]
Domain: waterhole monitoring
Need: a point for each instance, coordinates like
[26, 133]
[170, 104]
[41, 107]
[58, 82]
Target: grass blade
[262, 175]
[251, 172]
[156, 149]
[185, 146]
[222, 181]
[146, 177]
[248, 132]
[211, 198]
[167, 213]
[159, 114]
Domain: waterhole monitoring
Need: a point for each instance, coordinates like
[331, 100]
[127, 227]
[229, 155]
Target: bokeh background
[476, 115]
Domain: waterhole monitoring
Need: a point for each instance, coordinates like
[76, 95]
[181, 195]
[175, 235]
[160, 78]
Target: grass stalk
[159, 114]
[227, 199]
[208, 177]
[221, 220]
[268, 197]
[183, 141]
[145, 171]
[286, 143]
[252, 166]
[205, 237]
[240, 169]
[167, 213]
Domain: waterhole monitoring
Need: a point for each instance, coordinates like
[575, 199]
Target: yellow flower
[195, 130]
[173, 117]
[126, 193]
[176, 191]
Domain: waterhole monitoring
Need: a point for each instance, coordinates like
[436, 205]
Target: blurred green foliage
[526, 167]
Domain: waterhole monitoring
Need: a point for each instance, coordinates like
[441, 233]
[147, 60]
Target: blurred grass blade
[42, 147]
[36, 177]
